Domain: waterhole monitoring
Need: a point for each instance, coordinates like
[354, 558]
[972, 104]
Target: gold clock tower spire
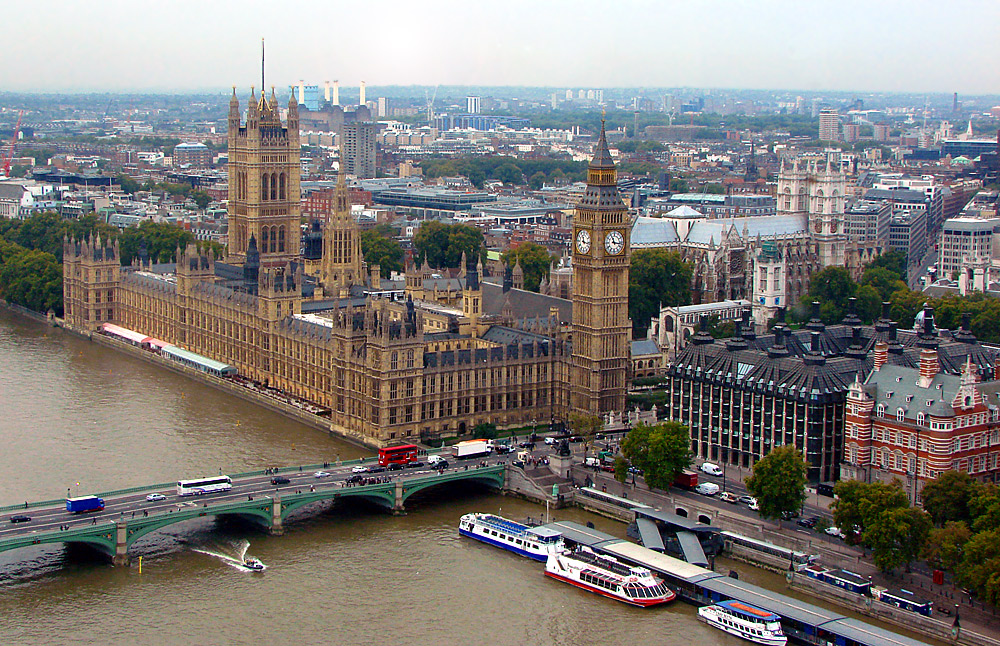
[601, 256]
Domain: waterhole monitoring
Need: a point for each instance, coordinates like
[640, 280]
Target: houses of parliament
[391, 362]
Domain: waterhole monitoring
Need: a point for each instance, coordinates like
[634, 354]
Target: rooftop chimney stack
[929, 367]
[336, 93]
[881, 354]
[326, 93]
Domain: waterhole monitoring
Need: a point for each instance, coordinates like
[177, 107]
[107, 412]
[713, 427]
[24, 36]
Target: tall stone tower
[814, 187]
[342, 262]
[91, 276]
[601, 256]
[264, 181]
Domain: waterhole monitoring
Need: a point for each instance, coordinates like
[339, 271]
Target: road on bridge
[135, 505]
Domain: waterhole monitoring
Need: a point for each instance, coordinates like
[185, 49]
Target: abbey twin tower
[388, 361]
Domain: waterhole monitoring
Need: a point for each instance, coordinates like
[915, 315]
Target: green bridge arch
[115, 537]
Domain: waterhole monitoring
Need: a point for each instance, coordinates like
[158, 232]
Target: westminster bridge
[129, 515]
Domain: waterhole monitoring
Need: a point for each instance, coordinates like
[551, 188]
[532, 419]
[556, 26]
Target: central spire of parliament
[264, 179]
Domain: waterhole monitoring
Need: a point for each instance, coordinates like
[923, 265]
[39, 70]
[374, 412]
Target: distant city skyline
[892, 46]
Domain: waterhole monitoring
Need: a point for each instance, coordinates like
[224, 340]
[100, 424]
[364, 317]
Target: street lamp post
[725, 460]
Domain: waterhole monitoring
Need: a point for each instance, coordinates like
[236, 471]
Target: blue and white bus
[199, 486]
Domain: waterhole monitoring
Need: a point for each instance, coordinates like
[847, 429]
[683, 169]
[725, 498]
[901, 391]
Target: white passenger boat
[534, 542]
[252, 563]
[608, 577]
[745, 621]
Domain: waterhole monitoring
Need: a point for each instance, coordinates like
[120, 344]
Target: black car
[20, 519]
[788, 515]
[442, 465]
[808, 522]
[414, 465]
[395, 466]
[517, 463]
[280, 480]
[376, 469]
[354, 478]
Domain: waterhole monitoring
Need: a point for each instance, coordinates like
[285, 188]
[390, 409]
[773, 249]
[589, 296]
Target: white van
[434, 459]
[711, 469]
[707, 488]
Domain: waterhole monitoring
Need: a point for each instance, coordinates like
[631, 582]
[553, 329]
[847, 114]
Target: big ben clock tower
[601, 256]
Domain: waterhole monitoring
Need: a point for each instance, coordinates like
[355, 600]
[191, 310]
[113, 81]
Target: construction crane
[10, 151]
[430, 105]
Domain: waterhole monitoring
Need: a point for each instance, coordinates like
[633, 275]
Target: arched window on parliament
[264, 235]
[274, 186]
[281, 186]
[394, 361]
[409, 358]
[281, 238]
[263, 187]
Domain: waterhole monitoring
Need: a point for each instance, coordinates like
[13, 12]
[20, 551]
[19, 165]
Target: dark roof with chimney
[818, 362]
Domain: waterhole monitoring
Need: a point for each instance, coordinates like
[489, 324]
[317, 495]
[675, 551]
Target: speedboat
[745, 621]
[252, 563]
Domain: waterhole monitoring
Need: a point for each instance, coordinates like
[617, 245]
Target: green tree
[535, 261]
[885, 281]
[201, 198]
[831, 287]
[33, 279]
[857, 504]
[657, 277]
[946, 545]
[947, 497]
[509, 173]
[661, 451]
[779, 481]
[980, 568]
[621, 469]
[893, 260]
[162, 241]
[484, 431]
[380, 247]
[536, 181]
[586, 426]
[127, 184]
[869, 304]
[897, 537]
[442, 245]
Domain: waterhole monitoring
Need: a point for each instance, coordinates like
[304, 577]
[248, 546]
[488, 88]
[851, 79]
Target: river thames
[80, 417]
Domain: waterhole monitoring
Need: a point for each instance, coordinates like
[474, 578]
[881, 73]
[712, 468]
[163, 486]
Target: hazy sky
[872, 45]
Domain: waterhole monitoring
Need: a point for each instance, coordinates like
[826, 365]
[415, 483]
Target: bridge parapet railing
[170, 485]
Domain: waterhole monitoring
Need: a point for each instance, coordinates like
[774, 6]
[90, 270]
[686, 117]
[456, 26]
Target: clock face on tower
[583, 241]
[614, 243]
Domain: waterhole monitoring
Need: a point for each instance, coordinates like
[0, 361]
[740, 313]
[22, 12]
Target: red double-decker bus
[397, 454]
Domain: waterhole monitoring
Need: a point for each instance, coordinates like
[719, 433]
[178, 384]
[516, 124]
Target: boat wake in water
[238, 559]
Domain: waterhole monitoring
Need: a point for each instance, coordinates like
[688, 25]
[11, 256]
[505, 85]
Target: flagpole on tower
[262, 65]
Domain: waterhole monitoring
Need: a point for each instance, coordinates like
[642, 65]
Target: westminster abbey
[426, 359]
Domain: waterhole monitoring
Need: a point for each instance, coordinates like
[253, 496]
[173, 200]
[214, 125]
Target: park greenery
[778, 482]
[881, 281]
[661, 451]
[535, 261]
[713, 124]
[833, 286]
[31, 252]
[509, 170]
[380, 247]
[442, 245]
[965, 538]
[657, 278]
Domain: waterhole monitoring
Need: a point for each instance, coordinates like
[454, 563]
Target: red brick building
[915, 423]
